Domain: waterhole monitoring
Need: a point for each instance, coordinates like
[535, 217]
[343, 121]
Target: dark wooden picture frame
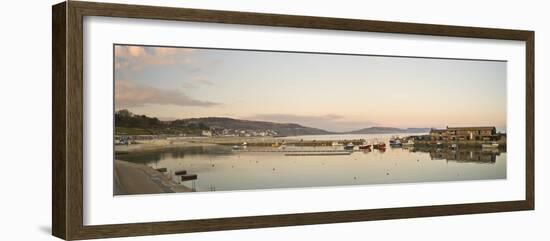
[67, 150]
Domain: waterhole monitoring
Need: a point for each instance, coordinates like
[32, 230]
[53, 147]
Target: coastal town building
[485, 133]
[242, 132]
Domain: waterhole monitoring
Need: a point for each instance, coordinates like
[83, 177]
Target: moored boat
[349, 146]
[244, 145]
[379, 145]
[364, 147]
[395, 141]
[408, 144]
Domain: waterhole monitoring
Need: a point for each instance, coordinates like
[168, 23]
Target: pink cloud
[138, 57]
[129, 94]
[136, 51]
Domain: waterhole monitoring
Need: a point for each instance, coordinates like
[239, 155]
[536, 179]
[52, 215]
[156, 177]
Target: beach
[133, 178]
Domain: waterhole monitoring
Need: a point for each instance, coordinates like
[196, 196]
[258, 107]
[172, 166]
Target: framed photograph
[171, 120]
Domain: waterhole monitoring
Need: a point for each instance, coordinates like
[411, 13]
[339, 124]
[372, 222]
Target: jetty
[340, 153]
[301, 152]
[273, 141]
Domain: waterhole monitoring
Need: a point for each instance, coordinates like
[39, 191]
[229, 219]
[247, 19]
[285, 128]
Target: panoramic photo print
[204, 120]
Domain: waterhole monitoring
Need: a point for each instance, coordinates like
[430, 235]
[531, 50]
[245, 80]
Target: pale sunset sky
[328, 91]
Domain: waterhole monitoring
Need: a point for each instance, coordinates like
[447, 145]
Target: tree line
[126, 119]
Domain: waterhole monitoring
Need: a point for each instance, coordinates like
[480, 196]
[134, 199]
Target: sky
[334, 92]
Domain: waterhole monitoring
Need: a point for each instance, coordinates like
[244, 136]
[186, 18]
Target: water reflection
[221, 168]
[467, 155]
[153, 156]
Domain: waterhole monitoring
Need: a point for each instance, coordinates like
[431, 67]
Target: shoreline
[179, 143]
[156, 144]
[132, 178]
[185, 142]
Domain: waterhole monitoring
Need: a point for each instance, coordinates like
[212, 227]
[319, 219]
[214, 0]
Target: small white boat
[240, 147]
[349, 146]
[409, 143]
[395, 143]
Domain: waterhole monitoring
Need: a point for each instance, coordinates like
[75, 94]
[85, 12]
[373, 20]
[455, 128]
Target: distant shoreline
[158, 144]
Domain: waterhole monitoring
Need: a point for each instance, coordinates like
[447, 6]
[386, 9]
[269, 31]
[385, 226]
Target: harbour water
[220, 168]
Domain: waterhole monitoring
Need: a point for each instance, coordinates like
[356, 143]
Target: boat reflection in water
[463, 155]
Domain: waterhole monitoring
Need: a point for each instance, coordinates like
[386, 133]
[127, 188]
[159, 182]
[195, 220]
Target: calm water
[220, 168]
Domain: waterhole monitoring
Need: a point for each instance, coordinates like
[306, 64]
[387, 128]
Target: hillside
[127, 123]
[282, 129]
